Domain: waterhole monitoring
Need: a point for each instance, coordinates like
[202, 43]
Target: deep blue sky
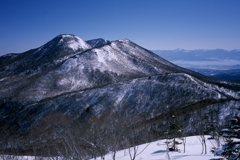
[153, 24]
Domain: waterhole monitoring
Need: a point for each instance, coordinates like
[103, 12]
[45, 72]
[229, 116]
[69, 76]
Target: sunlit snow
[157, 151]
[75, 43]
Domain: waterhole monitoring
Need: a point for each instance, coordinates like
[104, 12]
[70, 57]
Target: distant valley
[218, 63]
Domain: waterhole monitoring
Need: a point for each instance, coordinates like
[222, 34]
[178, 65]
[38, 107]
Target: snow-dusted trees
[57, 136]
[135, 136]
[106, 134]
[231, 149]
[212, 126]
[97, 136]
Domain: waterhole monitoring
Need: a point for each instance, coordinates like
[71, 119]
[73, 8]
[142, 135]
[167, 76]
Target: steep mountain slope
[78, 82]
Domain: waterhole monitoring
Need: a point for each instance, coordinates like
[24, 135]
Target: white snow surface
[67, 41]
[75, 43]
[157, 151]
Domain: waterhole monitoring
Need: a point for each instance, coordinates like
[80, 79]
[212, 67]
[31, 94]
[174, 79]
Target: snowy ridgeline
[157, 151]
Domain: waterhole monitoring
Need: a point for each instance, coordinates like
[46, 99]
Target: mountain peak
[63, 42]
[71, 41]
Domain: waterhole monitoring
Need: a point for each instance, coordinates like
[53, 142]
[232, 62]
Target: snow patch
[74, 43]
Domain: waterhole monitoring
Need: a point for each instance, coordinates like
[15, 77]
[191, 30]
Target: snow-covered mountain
[70, 81]
[67, 64]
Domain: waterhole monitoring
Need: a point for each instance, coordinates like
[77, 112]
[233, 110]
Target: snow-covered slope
[157, 151]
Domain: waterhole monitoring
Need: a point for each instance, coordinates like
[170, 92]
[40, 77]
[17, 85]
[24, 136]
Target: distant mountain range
[218, 63]
[199, 55]
[71, 91]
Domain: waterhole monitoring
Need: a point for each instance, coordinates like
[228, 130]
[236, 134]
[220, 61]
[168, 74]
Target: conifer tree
[231, 149]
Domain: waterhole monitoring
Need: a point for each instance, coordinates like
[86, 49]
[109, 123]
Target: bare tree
[132, 136]
[200, 119]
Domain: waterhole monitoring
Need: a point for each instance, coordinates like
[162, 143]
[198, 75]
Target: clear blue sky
[153, 24]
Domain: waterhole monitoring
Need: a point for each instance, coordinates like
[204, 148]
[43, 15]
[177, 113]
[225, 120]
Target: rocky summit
[70, 87]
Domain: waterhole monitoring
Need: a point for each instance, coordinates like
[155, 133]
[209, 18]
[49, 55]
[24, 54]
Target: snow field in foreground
[157, 151]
